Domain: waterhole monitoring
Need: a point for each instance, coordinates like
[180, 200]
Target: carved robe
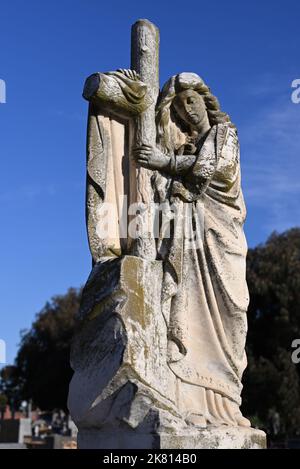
[115, 99]
[205, 294]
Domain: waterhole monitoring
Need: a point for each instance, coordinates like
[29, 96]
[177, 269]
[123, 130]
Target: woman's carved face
[190, 107]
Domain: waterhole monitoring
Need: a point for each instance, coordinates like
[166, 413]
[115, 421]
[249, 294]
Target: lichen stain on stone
[131, 283]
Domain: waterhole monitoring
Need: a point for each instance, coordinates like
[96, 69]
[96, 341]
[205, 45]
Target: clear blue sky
[247, 51]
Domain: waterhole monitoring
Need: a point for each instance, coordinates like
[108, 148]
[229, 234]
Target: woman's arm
[194, 168]
[152, 158]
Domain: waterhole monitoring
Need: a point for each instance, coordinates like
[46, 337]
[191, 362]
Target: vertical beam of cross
[145, 61]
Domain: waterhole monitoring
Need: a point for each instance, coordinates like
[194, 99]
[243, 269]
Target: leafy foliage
[271, 381]
[42, 363]
[3, 403]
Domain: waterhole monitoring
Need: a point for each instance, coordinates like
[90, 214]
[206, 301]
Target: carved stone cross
[121, 117]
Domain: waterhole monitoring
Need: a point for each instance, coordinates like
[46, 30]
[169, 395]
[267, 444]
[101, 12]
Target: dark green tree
[271, 382]
[43, 358]
[3, 404]
[10, 387]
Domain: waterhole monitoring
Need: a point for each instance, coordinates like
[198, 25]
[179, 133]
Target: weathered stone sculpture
[160, 348]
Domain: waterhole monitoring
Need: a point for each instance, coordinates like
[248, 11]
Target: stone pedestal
[123, 394]
[210, 438]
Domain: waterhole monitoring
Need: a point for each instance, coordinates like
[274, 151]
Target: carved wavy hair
[166, 113]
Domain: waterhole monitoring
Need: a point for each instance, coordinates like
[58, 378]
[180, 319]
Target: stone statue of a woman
[204, 294]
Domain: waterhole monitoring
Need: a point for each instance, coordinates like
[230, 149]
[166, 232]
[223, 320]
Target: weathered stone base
[123, 393]
[211, 438]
